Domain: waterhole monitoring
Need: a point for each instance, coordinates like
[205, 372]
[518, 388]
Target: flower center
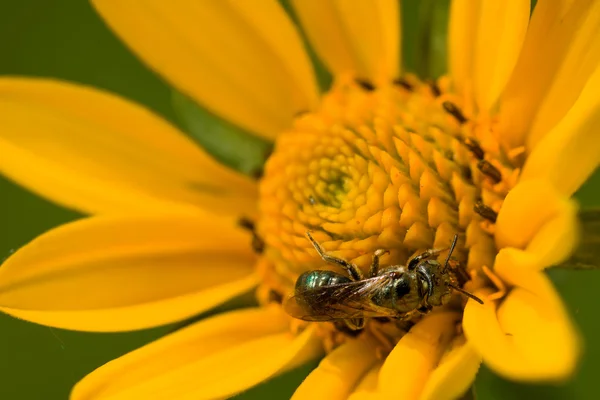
[399, 168]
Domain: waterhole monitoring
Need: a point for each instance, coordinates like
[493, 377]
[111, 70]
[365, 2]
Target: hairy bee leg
[352, 270]
[412, 264]
[355, 324]
[497, 282]
[375, 264]
[461, 273]
[407, 317]
[346, 330]
[425, 309]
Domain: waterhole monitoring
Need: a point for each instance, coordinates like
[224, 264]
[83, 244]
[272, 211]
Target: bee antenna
[469, 295]
[452, 246]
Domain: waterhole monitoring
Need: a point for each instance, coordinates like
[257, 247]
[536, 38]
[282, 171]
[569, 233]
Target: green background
[65, 39]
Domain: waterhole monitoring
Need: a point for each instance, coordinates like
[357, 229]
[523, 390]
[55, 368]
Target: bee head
[435, 282]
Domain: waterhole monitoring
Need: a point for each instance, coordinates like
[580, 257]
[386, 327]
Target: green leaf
[470, 394]
[490, 386]
[424, 33]
[433, 32]
[587, 255]
[228, 143]
[324, 77]
[410, 26]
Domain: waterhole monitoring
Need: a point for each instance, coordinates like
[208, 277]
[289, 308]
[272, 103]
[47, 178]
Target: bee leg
[416, 260]
[412, 264]
[352, 270]
[461, 274]
[348, 328]
[355, 324]
[406, 318]
[404, 325]
[375, 264]
[424, 309]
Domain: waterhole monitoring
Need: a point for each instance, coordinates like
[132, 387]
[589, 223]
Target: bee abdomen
[315, 279]
[312, 280]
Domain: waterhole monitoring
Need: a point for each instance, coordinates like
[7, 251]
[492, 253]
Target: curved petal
[367, 387]
[364, 395]
[455, 373]
[582, 59]
[560, 52]
[462, 30]
[500, 33]
[538, 219]
[339, 372]
[243, 60]
[530, 337]
[124, 273]
[212, 359]
[485, 39]
[358, 37]
[421, 349]
[98, 153]
[570, 152]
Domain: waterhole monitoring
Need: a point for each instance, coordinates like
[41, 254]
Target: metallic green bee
[396, 292]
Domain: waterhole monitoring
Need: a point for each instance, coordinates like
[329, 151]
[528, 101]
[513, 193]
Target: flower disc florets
[398, 167]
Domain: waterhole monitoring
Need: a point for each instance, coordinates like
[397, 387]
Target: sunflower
[382, 161]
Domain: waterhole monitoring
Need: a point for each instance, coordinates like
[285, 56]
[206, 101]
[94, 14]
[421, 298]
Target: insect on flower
[396, 291]
[378, 158]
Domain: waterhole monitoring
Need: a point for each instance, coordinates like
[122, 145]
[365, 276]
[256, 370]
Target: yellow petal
[556, 241]
[124, 273]
[366, 396]
[455, 374]
[530, 337]
[212, 359]
[570, 152]
[579, 63]
[560, 52]
[243, 60]
[538, 219]
[500, 33]
[357, 37]
[367, 387]
[96, 152]
[417, 353]
[339, 372]
[462, 31]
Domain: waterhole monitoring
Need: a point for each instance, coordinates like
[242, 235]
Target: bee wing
[341, 301]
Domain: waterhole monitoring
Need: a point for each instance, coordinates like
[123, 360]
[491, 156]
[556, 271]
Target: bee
[396, 292]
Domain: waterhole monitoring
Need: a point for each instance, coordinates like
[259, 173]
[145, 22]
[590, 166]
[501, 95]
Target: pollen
[401, 167]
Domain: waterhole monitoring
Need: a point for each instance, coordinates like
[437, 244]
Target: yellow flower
[382, 161]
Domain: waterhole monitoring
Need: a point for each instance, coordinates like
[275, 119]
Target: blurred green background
[65, 39]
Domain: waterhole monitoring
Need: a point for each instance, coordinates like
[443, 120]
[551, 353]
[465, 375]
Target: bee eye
[426, 284]
[402, 288]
